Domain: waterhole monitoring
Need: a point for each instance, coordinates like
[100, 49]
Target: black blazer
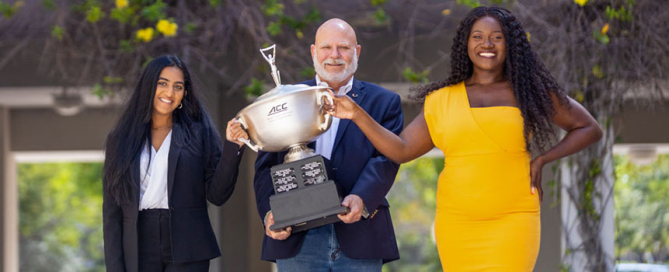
[360, 169]
[192, 180]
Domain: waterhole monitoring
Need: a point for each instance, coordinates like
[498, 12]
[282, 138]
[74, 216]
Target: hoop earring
[181, 105]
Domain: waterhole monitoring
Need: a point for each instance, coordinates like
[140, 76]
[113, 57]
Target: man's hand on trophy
[282, 234]
[234, 132]
[344, 107]
[355, 206]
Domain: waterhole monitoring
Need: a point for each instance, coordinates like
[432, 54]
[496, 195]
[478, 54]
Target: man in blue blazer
[365, 238]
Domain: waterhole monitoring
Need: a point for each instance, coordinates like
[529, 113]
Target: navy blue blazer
[192, 179]
[360, 169]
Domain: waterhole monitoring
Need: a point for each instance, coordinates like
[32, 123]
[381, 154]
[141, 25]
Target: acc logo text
[277, 109]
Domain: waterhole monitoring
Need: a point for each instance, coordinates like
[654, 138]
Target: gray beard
[324, 75]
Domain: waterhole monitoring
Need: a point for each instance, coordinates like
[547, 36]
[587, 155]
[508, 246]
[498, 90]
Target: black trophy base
[307, 208]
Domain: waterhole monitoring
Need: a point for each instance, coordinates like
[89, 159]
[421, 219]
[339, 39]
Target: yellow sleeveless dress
[486, 218]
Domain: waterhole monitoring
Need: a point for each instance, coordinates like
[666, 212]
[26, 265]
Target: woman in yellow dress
[498, 103]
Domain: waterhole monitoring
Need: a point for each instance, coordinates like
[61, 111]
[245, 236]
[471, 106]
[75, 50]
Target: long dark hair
[133, 130]
[531, 82]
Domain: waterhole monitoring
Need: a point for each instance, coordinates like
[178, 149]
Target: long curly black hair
[532, 83]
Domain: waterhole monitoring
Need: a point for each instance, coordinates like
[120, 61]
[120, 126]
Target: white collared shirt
[325, 142]
[153, 185]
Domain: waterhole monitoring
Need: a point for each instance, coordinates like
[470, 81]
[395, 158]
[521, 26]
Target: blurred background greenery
[413, 203]
[60, 210]
[641, 198]
[61, 214]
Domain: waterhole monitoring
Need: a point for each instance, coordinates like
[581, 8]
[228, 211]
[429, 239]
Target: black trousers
[155, 244]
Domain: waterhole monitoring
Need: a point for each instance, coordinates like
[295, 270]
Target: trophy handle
[324, 95]
[248, 142]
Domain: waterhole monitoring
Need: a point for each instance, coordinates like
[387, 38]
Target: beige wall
[44, 130]
[642, 123]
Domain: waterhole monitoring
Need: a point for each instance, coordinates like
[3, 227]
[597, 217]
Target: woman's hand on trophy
[234, 131]
[344, 107]
[281, 234]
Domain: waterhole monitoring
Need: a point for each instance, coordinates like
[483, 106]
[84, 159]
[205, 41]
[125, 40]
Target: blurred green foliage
[642, 210]
[623, 14]
[155, 11]
[57, 32]
[415, 77]
[9, 10]
[255, 89]
[60, 211]
[412, 205]
[274, 9]
[94, 14]
[469, 3]
[49, 5]
[125, 15]
[378, 2]
[215, 3]
[601, 37]
[308, 73]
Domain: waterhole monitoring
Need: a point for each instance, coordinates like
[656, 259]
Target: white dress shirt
[153, 185]
[325, 142]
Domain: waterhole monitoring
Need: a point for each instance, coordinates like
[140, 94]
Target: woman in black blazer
[163, 161]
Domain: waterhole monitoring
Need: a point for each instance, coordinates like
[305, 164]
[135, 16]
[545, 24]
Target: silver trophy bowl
[287, 117]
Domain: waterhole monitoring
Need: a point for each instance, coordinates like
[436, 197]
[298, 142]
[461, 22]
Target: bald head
[335, 52]
[337, 26]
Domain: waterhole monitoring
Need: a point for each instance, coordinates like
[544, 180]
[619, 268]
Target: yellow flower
[121, 4]
[605, 29]
[169, 29]
[580, 2]
[446, 12]
[527, 33]
[145, 34]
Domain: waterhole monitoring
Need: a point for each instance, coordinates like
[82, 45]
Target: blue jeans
[320, 253]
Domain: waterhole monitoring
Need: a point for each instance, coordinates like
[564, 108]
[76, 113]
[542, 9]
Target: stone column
[574, 244]
[4, 132]
[9, 251]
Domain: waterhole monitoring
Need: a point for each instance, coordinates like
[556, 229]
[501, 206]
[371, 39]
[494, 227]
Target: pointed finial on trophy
[270, 57]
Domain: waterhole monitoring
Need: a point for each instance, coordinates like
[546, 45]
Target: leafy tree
[413, 205]
[642, 210]
[60, 210]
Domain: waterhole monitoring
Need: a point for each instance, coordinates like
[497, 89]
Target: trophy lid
[286, 90]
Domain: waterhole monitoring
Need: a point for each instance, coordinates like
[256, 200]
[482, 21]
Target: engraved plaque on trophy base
[304, 197]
